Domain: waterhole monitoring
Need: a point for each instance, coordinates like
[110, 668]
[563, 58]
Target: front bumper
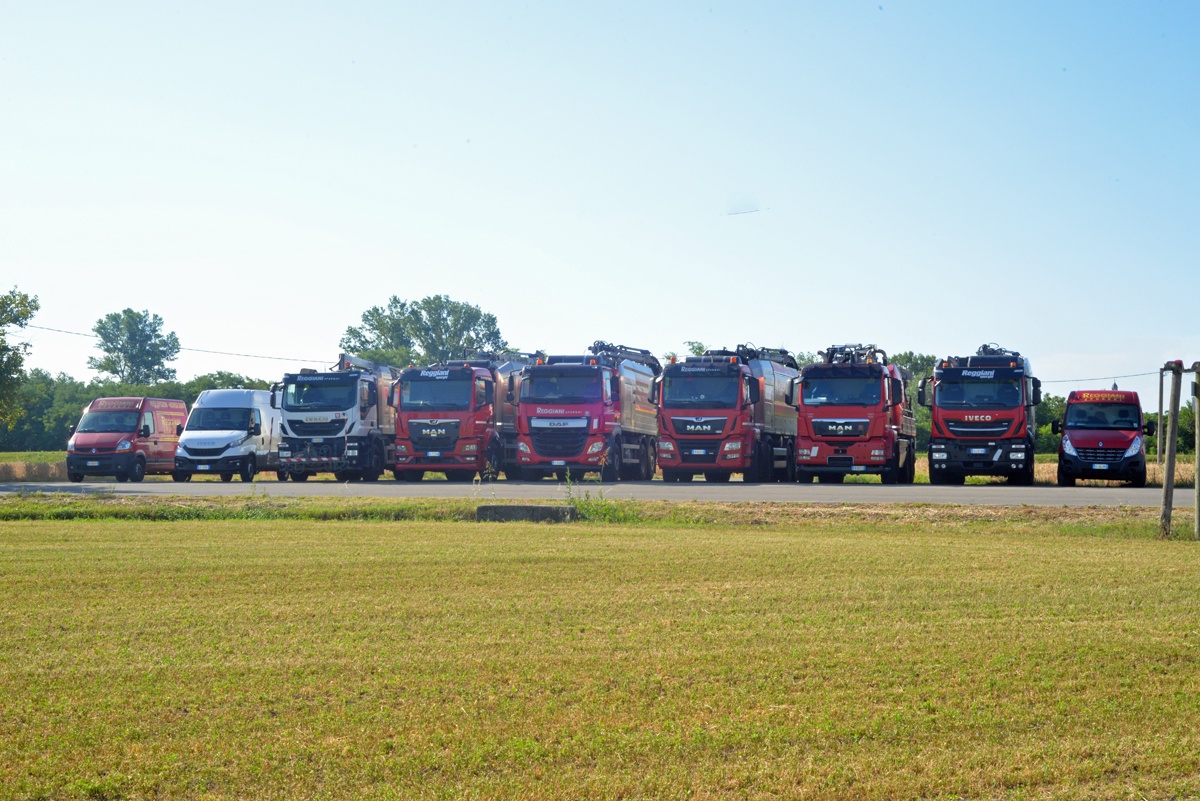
[833, 456]
[1003, 457]
[100, 464]
[1124, 469]
[409, 458]
[587, 458]
[218, 465]
[702, 454]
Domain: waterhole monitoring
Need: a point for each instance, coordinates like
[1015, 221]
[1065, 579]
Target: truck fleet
[617, 412]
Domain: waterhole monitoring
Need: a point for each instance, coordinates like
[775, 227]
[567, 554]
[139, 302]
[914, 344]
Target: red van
[125, 438]
[1102, 438]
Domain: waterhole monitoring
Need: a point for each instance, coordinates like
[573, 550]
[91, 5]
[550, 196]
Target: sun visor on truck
[436, 374]
[841, 371]
[979, 373]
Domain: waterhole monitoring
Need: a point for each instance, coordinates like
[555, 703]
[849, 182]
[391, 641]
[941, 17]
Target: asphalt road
[981, 495]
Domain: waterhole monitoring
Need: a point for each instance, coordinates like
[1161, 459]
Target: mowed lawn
[293, 659]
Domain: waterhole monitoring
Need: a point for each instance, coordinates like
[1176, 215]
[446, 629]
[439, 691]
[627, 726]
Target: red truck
[855, 418]
[982, 416]
[126, 438]
[450, 419]
[1102, 437]
[726, 412]
[589, 413]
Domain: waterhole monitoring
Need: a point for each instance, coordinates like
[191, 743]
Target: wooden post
[1164, 518]
[1162, 424]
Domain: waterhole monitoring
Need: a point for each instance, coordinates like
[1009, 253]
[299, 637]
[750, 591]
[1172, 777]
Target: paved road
[985, 495]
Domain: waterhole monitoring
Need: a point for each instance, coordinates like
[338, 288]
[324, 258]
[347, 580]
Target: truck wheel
[74, 478]
[956, 479]
[936, 476]
[492, 463]
[138, 471]
[281, 475]
[248, 470]
[832, 478]
[611, 469]
[891, 473]
[909, 475]
[1139, 479]
[374, 468]
[715, 477]
[299, 476]
[227, 476]
[1065, 480]
[803, 476]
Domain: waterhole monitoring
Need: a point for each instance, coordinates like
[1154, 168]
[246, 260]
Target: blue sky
[925, 176]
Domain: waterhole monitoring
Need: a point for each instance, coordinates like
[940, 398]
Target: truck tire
[909, 474]
[1065, 480]
[493, 463]
[281, 475]
[138, 471]
[611, 470]
[803, 476]
[300, 476]
[1138, 480]
[374, 468]
[248, 470]
[347, 475]
[936, 477]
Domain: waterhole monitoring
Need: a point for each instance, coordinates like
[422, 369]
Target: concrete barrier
[507, 513]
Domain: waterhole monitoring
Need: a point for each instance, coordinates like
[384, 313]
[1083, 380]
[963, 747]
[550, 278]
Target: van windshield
[214, 419]
[1122, 416]
[108, 422]
[332, 396]
[435, 395]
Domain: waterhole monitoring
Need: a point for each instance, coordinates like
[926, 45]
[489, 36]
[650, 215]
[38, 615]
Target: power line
[190, 350]
[1099, 378]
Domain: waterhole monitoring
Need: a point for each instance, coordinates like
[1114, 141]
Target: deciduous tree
[430, 330]
[135, 349]
[16, 310]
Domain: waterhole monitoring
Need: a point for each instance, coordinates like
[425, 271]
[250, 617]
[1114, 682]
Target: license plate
[558, 463]
[858, 468]
[434, 453]
[1099, 467]
[93, 464]
[204, 467]
[318, 439]
[699, 452]
[978, 451]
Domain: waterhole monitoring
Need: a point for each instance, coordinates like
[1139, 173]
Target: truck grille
[332, 449]
[206, 451]
[690, 426]
[708, 450]
[989, 428]
[840, 461]
[840, 428]
[1100, 454]
[558, 442]
[441, 436]
[303, 429]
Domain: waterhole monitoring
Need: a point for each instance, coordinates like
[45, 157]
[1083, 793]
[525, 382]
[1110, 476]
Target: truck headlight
[401, 449]
[735, 445]
[665, 445]
[1135, 447]
[942, 455]
[1017, 455]
[1067, 447]
[522, 447]
[124, 445]
[596, 447]
[471, 448]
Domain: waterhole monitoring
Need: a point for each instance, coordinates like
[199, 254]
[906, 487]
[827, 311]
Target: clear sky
[926, 176]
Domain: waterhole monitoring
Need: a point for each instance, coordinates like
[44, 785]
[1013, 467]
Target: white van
[229, 431]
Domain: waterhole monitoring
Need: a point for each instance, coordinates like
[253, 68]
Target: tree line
[37, 408]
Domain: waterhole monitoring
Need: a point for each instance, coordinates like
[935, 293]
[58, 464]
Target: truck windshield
[441, 396]
[108, 422]
[1123, 416]
[972, 393]
[693, 391]
[543, 388]
[824, 391]
[214, 419]
[304, 396]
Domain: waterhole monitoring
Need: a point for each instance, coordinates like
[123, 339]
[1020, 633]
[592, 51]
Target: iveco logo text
[435, 374]
[979, 373]
[977, 417]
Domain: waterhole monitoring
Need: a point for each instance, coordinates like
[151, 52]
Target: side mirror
[1055, 427]
[391, 396]
[71, 429]
[144, 431]
[615, 388]
[1151, 428]
[789, 393]
[897, 392]
[510, 396]
[178, 429]
[755, 391]
[274, 400]
[655, 386]
[256, 429]
[1037, 391]
[489, 393]
[922, 398]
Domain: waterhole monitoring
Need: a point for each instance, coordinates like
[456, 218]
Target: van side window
[148, 420]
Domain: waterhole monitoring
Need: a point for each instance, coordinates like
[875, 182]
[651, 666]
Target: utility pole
[1196, 453]
[1164, 519]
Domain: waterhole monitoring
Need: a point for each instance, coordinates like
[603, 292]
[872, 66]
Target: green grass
[862, 653]
[35, 457]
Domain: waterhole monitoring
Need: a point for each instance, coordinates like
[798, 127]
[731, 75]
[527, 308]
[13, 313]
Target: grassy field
[33, 457]
[805, 652]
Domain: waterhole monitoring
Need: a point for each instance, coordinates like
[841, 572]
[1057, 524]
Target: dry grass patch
[857, 655]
